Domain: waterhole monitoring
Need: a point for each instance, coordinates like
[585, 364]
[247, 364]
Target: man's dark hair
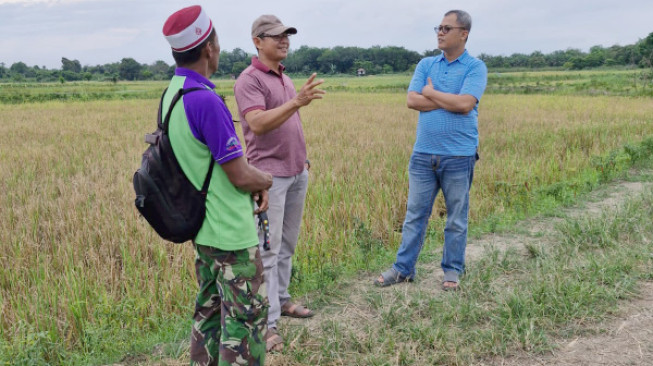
[192, 55]
[463, 18]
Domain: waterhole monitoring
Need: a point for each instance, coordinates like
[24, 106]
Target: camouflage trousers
[231, 309]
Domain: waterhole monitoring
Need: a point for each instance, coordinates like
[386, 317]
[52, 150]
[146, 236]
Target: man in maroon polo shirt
[268, 106]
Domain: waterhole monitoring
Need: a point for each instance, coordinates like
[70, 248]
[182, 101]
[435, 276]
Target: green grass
[72, 242]
[19, 93]
[612, 82]
[510, 303]
[635, 82]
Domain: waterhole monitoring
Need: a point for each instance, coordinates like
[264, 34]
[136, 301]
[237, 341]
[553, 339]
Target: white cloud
[40, 32]
[47, 2]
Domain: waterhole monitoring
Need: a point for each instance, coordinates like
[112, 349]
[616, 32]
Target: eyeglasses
[445, 28]
[276, 38]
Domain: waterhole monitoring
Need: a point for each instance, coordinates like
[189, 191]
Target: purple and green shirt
[201, 125]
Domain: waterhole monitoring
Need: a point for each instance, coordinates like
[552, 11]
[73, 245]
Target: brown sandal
[453, 287]
[295, 311]
[273, 341]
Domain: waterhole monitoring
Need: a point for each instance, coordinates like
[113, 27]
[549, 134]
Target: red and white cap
[187, 28]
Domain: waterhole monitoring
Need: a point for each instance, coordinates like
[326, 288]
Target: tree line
[336, 60]
[639, 54]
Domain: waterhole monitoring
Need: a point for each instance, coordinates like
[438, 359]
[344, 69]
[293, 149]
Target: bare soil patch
[624, 340]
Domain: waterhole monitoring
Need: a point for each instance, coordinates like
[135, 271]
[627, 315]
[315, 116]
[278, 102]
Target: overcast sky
[41, 32]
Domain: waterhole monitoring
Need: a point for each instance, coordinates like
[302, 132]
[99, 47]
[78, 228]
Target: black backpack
[164, 195]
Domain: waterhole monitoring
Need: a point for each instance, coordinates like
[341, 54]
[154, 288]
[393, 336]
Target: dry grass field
[81, 272]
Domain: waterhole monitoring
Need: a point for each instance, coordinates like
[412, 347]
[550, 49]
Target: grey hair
[463, 18]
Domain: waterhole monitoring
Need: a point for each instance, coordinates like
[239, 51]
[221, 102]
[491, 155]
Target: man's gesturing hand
[308, 92]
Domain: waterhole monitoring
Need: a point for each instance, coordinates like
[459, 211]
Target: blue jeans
[427, 174]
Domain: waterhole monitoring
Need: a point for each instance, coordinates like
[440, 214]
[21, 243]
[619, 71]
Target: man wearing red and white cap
[231, 307]
[269, 110]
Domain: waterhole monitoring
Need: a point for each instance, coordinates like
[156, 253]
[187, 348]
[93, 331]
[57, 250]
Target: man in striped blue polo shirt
[446, 90]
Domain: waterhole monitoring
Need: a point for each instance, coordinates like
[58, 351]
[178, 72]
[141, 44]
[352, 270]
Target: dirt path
[623, 340]
[626, 339]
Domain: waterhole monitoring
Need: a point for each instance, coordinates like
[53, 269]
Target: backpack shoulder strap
[207, 179]
[164, 126]
[175, 99]
[158, 117]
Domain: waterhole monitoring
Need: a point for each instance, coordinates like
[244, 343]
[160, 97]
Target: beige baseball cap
[269, 24]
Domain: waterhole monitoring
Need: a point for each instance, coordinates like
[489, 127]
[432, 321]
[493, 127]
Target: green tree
[433, 52]
[19, 68]
[556, 58]
[229, 59]
[339, 59]
[71, 76]
[576, 63]
[494, 61]
[238, 67]
[368, 66]
[304, 59]
[518, 60]
[645, 49]
[159, 70]
[44, 75]
[129, 69]
[70, 65]
[596, 57]
[397, 57]
[536, 60]
[146, 74]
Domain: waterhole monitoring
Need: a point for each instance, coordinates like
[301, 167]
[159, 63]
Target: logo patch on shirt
[232, 144]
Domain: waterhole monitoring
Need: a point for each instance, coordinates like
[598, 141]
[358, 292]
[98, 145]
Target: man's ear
[209, 49]
[257, 42]
[465, 35]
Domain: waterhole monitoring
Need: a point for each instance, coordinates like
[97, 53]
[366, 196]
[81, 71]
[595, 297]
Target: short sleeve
[475, 80]
[249, 94]
[212, 124]
[418, 81]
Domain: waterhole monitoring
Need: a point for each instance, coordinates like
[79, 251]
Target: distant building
[360, 72]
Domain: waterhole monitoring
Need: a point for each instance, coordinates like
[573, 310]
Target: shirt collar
[181, 71]
[261, 66]
[463, 58]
